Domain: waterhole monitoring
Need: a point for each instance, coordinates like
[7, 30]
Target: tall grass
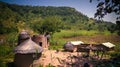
[58, 38]
[74, 33]
[6, 49]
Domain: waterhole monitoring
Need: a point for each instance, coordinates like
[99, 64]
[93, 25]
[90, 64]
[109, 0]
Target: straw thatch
[68, 46]
[23, 36]
[28, 46]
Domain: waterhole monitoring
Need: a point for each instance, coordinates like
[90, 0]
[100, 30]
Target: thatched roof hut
[28, 46]
[72, 45]
[26, 53]
[68, 46]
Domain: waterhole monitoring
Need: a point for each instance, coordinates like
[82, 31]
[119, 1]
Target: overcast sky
[84, 6]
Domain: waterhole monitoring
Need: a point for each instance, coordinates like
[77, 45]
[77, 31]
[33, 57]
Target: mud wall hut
[26, 53]
[41, 40]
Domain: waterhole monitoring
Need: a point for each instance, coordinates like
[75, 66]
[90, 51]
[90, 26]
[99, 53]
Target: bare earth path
[61, 59]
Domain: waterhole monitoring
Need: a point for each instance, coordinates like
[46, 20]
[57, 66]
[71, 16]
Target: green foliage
[117, 47]
[7, 19]
[2, 64]
[115, 54]
[105, 7]
[12, 38]
[5, 50]
[60, 38]
[73, 33]
[42, 19]
[56, 43]
[36, 24]
[51, 24]
[49, 65]
[118, 27]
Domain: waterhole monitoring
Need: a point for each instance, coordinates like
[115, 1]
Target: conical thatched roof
[68, 46]
[24, 35]
[28, 46]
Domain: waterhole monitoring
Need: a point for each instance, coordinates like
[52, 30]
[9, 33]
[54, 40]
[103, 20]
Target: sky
[83, 6]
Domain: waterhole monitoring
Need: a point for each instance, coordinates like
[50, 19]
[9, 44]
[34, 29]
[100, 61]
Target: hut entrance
[41, 40]
[40, 43]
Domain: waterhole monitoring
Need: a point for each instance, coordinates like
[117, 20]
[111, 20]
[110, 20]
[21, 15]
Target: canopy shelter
[97, 49]
[76, 42]
[83, 48]
[108, 45]
[102, 48]
[26, 52]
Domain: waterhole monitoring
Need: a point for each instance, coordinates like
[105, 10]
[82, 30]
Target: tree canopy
[47, 18]
[105, 7]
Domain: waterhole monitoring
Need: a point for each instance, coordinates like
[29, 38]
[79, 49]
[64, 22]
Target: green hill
[73, 26]
[13, 17]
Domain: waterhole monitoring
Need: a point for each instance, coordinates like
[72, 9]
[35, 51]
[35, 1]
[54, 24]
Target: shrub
[2, 64]
[5, 50]
[12, 38]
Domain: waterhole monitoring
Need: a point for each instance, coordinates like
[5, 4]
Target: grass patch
[72, 33]
[60, 38]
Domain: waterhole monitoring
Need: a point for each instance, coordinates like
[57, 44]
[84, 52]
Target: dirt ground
[62, 59]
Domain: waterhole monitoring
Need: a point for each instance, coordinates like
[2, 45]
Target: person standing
[47, 35]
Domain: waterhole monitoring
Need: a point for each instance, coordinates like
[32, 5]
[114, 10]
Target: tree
[118, 27]
[7, 20]
[51, 24]
[105, 7]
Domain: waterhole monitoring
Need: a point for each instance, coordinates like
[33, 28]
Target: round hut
[24, 35]
[26, 53]
[69, 47]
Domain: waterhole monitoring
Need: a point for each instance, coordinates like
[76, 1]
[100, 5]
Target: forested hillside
[66, 23]
[47, 18]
